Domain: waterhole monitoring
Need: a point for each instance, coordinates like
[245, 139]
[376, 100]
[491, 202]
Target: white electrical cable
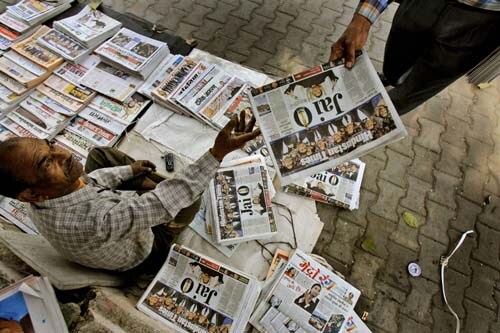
[444, 264]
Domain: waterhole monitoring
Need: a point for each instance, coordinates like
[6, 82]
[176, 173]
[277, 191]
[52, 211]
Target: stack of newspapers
[487, 70]
[194, 293]
[304, 296]
[21, 19]
[30, 305]
[241, 207]
[339, 186]
[201, 90]
[75, 37]
[133, 53]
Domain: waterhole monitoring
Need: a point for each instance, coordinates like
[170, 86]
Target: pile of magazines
[194, 293]
[21, 20]
[304, 296]
[201, 90]
[30, 305]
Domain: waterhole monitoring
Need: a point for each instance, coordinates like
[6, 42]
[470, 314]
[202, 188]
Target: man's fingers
[230, 125]
[350, 54]
[242, 138]
[337, 50]
[241, 123]
[250, 124]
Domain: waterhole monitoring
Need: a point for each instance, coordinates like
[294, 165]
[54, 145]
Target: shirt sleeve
[371, 9]
[112, 177]
[137, 213]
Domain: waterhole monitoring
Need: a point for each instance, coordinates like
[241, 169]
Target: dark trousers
[439, 41]
[164, 234]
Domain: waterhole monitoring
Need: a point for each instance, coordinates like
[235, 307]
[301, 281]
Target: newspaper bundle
[305, 297]
[339, 186]
[33, 12]
[324, 116]
[63, 45]
[74, 72]
[194, 293]
[241, 193]
[164, 69]
[16, 212]
[90, 27]
[133, 52]
[30, 305]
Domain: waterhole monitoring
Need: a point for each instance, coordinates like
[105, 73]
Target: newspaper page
[16, 128]
[15, 71]
[80, 94]
[130, 49]
[164, 69]
[13, 22]
[339, 186]
[241, 199]
[76, 142]
[88, 25]
[30, 9]
[324, 116]
[279, 257]
[309, 295]
[63, 99]
[215, 111]
[6, 134]
[16, 212]
[193, 293]
[12, 84]
[78, 156]
[49, 102]
[25, 63]
[103, 120]
[63, 45]
[74, 72]
[123, 84]
[172, 81]
[353, 324]
[125, 112]
[196, 74]
[29, 125]
[96, 134]
[199, 225]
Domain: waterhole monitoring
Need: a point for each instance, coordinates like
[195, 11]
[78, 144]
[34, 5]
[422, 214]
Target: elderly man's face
[49, 170]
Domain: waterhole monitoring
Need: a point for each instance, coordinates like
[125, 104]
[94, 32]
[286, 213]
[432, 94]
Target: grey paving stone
[456, 283]
[387, 200]
[455, 132]
[364, 271]
[488, 251]
[495, 327]
[196, 15]
[358, 216]
[405, 235]
[218, 44]
[460, 106]
[396, 267]
[377, 233]
[461, 261]
[372, 169]
[207, 3]
[423, 163]
[477, 154]
[444, 189]
[444, 322]
[283, 57]
[245, 10]
[257, 58]
[221, 13]
[395, 169]
[418, 303]
[317, 36]
[481, 128]
[345, 236]
[270, 41]
[404, 146]
[186, 30]
[231, 27]
[437, 222]
[473, 185]
[430, 256]
[281, 22]
[336, 5]
[482, 285]
[304, 20]
[389, 291]
[243, 43]
[451, 158]
[326, 18]
[291, 7]
[256, 25]
[429, 135]
[436, 107]
[491, 213]
[406, 324]
[175, 16]
[384, 314]
[416, 195]
[492, 184]
[207, 30]
[478, 318]
[268, 8]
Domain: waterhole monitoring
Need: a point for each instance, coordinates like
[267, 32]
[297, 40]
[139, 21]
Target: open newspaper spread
[339, 186]
[241, 199]
[324, 116]
[193, 293]
[306, 297]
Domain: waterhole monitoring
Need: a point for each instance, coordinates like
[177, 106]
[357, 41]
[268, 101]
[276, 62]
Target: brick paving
[441, 173]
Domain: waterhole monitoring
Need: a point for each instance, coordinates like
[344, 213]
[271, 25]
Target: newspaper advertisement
[130, 49]
[241, 200]
[308, 297]
[123, 84]
[63, 45]
[16, 212]
[193, 293]
[74, 72]
[324, 116]
[339, 186]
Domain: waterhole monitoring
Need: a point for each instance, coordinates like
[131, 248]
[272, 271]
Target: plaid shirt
[99, 227]
[371, 9]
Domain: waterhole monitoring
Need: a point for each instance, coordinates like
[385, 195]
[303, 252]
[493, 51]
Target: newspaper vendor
[113, 217]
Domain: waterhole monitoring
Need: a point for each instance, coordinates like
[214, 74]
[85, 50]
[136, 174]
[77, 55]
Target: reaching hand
[233, 136]
[142, 167]
[354, 38]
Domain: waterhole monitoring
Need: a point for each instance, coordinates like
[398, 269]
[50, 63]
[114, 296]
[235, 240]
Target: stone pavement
[441, 173]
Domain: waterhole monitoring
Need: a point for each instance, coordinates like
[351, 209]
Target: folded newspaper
[194, 293]
[241, 194]
[339, 186]
[305, 297]
[30, 305]
[324, 116]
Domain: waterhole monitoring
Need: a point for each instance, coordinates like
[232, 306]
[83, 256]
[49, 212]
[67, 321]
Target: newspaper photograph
[28, 124]
[241, 201]
[324, 116]
[130, 49]
[5, 44]
[124, 112]
[38, 119]
[99, 77]
[193, 293]
[73, 72]
[339, 186]
[67, 102]
[87, 25]
[103, 120]
[16, 128]
[98, 135]
[6, 134]
[310, 296]
[164, 69]
[49, 102]
[36, 53]
[63, 45]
